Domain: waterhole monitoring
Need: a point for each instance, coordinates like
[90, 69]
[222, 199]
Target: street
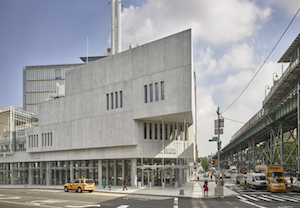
[17, 198]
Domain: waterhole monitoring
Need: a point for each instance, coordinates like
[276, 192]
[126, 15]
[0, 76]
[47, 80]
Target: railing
[281, 80]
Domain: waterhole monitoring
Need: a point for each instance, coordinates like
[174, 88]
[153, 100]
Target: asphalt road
[22, 198]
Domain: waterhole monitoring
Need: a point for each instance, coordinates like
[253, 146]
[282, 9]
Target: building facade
[130, 115]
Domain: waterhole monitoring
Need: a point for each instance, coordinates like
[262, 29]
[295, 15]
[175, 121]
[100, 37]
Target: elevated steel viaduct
[272, 135]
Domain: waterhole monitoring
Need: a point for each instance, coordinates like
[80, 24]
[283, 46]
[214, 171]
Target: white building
[131, 114]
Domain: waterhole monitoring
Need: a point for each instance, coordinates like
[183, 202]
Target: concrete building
[131, 114]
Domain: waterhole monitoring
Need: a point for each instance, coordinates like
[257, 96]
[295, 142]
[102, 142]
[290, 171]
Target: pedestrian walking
[211, 177]
[104, 183]
[124, 184]
[222, 182]
[291, 180]
[216, 180]
[205, 189]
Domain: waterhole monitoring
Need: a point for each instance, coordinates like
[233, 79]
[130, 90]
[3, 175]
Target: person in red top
[205, 188]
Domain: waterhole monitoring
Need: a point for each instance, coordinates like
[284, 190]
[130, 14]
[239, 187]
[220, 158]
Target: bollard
[181, 192]
[109, 187]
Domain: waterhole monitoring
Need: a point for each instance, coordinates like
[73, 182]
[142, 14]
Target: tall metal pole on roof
[112, 32]
[119, 6]
[87, 50]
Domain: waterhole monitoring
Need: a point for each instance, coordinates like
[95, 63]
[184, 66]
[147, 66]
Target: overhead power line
[262, 63]
[233, 120]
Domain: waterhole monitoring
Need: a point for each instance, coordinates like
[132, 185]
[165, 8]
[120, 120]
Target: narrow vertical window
[151, 92]
[145, 87]
[33, 140]
[156, 91]
[150, 131]
[112, 100]
[48, 140]
[107, 101]
[160, 129]
[145, 130]
[121, 99]
[181, 135]
[155, 130]
[42, 140]
[51, 138]
[171, 131]
[37, 140]
[166, 131]
[116, 99]
[28, 141]
[162, 88]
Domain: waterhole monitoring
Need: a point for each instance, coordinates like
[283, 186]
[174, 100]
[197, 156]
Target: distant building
[130, 115]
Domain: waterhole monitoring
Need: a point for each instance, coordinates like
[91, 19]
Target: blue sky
[231, 39]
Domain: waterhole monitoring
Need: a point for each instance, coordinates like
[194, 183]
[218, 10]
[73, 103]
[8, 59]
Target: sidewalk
[193, 189]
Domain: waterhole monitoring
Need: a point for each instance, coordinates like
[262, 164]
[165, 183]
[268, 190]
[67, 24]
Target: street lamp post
[266, 90]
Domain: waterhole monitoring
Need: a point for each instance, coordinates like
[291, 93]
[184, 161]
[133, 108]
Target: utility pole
[219, 124]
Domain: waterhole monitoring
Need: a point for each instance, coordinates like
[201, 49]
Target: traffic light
[219, 145]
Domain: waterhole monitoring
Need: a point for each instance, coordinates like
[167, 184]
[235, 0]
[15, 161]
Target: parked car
[239, 178]
[296, 186]
[81, 184]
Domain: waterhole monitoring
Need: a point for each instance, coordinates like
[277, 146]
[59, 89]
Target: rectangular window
[33, 140]
[42, 140]
[166, 131]
[145, 130]
[107, 101]
[51, 139]
[146, 95]
[156, 91]
[171, 131]
[116, 99]
[151, 92]
[121, 99]
[37, 140]
[160, 131]
[112, 100]
[155, 131]
[48, 140]
[162, 89]
[150, 131]
[181, 135]
[28, 141]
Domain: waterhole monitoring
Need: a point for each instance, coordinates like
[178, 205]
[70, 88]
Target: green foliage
[204, 162]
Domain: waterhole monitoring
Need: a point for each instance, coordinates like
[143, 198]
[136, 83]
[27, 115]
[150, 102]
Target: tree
[204, 162]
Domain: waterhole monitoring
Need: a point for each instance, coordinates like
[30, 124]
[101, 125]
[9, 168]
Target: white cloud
[215, 21]
[290, 6]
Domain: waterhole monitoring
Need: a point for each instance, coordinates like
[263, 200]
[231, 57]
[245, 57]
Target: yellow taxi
[276, 185]
[81, 184]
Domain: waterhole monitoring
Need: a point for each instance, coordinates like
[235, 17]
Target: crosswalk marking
[262, 198]
[270, 197]
[250, 197]
[242, 198]
[286, 198]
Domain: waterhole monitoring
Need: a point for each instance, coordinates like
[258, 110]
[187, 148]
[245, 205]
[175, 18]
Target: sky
[231, 40]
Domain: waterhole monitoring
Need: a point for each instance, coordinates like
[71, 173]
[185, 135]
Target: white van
[233, 169]
[256, 180]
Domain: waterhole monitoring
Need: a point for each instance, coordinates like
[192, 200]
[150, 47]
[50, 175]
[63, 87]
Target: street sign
[214, 139]
[217, 132]
[219, 125]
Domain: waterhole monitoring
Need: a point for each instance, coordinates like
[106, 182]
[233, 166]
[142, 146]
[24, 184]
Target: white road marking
[251, 197]
[273, 198]
[251, 203]
[27, 204]
[123, 206]
[286, 198]
[10, 198]
[175, 203]
[242, 198]
[262, 198]
[83, 206]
